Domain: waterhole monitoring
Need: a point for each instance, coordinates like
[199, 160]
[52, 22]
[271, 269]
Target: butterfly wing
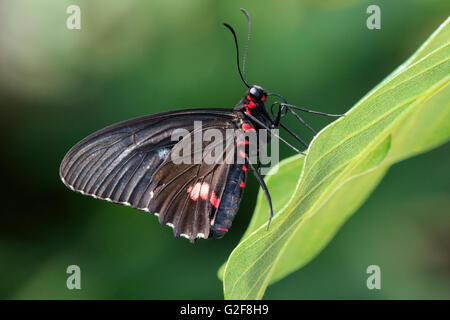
[117, 162]
[186, 195]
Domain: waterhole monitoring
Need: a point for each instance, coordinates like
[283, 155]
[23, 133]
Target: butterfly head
[253, 103]
[256, 94]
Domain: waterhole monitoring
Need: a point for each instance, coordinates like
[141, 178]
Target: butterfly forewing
[115, 163]
[131, 163]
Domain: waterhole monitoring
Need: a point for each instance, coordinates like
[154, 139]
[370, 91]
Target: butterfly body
[131, 163]
[229, 204]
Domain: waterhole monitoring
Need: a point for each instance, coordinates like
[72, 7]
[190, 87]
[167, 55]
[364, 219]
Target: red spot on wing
[242, 185]
[223, 229]
[263, 98]
[214, 200]
[204, 191]
[242, 143]
[199, 190]
[242, 154]
[244, 168]
[195, 191]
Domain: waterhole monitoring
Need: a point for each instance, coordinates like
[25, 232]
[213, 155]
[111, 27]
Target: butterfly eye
[255, 93]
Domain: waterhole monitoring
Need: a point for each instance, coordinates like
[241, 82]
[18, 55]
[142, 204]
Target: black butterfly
[131, 162]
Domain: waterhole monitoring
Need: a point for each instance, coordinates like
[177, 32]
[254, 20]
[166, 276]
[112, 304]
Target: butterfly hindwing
[186, 196]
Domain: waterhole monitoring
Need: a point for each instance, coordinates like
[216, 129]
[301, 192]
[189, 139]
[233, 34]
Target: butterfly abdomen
[231, 199]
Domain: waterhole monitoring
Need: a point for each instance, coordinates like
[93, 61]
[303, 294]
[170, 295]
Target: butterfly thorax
[254, 107]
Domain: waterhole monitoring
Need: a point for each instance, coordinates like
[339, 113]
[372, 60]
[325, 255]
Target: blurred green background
[132, 58]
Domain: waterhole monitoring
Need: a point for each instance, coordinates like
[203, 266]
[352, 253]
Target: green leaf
[281, 181]
[406, 114]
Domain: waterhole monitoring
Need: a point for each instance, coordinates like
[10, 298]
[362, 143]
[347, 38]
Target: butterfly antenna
[237, 53]
[244, 58]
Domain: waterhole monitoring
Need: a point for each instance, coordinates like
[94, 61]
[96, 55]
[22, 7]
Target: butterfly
[133, 162]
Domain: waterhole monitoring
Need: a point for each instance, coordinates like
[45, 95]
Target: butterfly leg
[261, 124]
[287, 108]
[266, 191]
[290, 106]
[276, 122]
[258, 167]
[281, 108]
